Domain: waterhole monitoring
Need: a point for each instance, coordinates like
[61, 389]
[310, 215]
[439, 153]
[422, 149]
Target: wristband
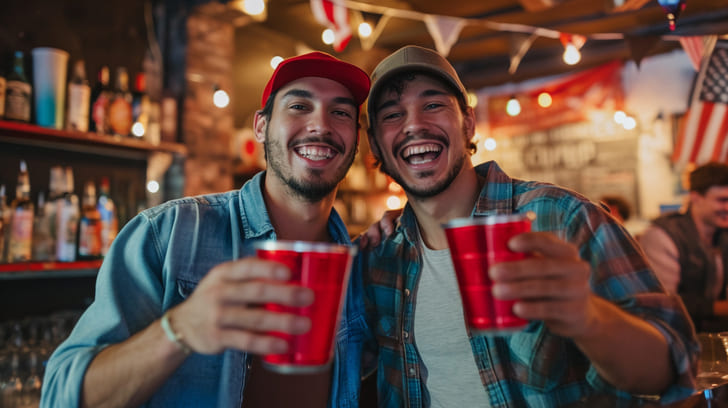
[173, 336]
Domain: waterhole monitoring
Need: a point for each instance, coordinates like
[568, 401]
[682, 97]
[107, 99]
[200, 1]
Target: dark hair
[618, 202]
[708, 175]
[397, 84]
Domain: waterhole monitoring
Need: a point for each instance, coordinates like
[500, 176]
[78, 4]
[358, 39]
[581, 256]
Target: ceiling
[482, 51]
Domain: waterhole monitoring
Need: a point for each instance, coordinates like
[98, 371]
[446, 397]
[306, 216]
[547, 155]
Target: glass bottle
[120, 111]
[100, 98]
[79, 99]
[4, 223]
[22, 211]
[140, 107]
[67, 215]
[43, 246]
[18, 92]
[109, 221]
[89, 227]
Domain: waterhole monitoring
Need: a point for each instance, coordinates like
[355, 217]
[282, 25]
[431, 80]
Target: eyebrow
[307, 94]
[425, 93]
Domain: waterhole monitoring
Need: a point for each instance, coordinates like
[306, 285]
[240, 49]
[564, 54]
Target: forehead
[717, 192]
[315, 88]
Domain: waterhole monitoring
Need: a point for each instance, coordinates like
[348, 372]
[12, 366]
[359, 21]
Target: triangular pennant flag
[695, 47]
[335, 17]
[640, 46]
[519, 45]
[368, 42]
[444, 31]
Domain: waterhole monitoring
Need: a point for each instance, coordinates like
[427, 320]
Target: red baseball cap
[319, 64]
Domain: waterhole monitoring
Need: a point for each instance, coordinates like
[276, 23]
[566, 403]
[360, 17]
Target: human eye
[344, 113]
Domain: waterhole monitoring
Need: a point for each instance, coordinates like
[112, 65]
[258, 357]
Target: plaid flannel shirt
[533, 367]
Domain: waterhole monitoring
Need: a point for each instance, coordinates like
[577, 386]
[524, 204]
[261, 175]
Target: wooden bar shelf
[33, 270]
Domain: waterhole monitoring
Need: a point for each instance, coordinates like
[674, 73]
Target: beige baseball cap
[412, 58]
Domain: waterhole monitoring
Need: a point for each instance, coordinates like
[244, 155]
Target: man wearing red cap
[176, 320]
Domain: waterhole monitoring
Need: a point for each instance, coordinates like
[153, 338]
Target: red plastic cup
[325, 269]
[475, 244]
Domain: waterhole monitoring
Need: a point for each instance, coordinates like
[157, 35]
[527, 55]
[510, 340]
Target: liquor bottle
[4, 222]
[107, 211]
[55, 191]
[43, 246]
[89, 227]
[79, 99]
[120, 113]
[2, 93]
[100, 98]
[18, 92]
[140, 106]
[67, 215]
[22, 211]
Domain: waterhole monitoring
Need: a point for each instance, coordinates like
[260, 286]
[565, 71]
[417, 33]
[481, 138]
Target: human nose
[413, 123]
[318, 122]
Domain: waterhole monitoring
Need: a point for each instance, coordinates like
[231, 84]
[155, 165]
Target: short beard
[310, 191]
[431, 190]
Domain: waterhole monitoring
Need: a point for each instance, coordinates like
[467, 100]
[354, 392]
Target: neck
[705, 231]
[294, 218]
[456, 201]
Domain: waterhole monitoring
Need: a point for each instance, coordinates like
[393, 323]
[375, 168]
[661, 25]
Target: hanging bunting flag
[672, 9]
[704, 130]
[335, 17]
[695, 47]
[519, 45]
[444, 31]
[640, 46]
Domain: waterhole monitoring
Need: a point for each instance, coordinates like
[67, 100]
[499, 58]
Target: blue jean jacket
[154, 264]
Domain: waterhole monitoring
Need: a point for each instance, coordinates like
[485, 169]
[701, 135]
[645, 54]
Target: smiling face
[310, 137]
[421, 135]
[712, 207]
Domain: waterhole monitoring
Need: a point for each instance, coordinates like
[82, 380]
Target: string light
[220, 98]
[513, 107]
[365, 29]
[253, 7]
[544, 100]
[472, 99]
[328, 36]
[275, 61]
[572, 44]
[394, 202]
[489, 144]
[572, 56]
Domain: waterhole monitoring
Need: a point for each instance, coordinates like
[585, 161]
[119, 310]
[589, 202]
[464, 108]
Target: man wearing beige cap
[177, 319]
[599, 321]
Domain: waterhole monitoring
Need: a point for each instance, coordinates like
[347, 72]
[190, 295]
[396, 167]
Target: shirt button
[406, 292]
[412, 371]
[405, 335]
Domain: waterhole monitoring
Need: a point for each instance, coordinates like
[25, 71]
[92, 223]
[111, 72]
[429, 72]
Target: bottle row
[74, 105]
[60, 228]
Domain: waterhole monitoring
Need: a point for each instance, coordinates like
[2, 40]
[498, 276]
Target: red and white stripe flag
[695, 47]
[704, 132]
[335, 17]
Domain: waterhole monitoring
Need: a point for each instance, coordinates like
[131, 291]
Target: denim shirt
[154, 264]
[533, 367]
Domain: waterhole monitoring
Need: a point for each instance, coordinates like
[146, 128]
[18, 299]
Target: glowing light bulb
[393, 202]
[137, 129]
[253, 7]
[152, 186]
[472, 99]
[365, 30]
[572, 55]
[489, 144]
[544, 100]
[328, 36]
[629, 123]
[220, 98]
[619, 117]
[275, 61]
[513, 107]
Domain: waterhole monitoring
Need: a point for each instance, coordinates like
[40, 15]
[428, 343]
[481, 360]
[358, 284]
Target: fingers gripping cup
[475, 245]
[325, 269]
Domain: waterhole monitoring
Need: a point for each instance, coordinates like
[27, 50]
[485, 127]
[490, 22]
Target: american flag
[704, 132]
[336, 17]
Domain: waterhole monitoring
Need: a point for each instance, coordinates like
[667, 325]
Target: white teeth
[315, 152]
[421, 149]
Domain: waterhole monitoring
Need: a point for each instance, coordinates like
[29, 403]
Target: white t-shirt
[439, 328]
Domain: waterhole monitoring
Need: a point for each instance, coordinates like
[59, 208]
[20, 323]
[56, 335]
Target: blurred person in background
[600, 322]
[177, 319]
[688, 249]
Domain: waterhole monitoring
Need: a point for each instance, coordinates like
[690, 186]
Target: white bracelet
[175, 337]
